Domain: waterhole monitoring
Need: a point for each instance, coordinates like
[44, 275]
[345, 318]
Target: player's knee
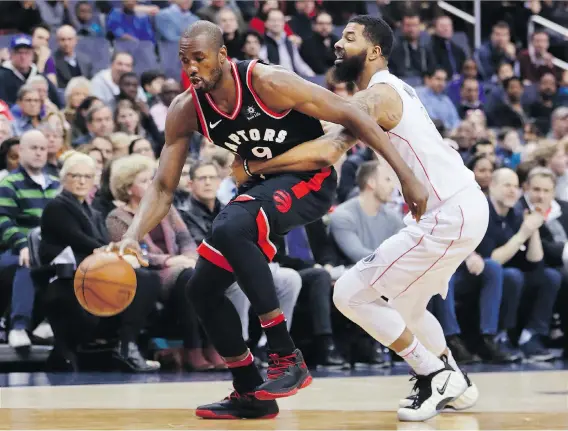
[343, 291]
[237, 225]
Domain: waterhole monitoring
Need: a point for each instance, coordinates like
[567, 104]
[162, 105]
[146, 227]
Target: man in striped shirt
[24, 193]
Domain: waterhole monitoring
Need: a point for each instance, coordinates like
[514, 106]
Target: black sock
[279, 340]
[246, 376]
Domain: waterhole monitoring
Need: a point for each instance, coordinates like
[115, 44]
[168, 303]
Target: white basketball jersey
[437, 165]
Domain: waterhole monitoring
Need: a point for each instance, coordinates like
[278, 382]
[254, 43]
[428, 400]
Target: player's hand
[127, 246]
[180, 260]
[475, 264]
[416, 197]
[238, 171]
[24, 259]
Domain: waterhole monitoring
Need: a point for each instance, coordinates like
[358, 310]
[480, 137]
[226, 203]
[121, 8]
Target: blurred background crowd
[97, 77]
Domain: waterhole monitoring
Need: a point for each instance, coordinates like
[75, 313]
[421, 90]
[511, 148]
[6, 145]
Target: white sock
[452, 361]
[525, 336]
[422, 361]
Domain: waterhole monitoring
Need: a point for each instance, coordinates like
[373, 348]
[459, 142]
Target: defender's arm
[380, 101]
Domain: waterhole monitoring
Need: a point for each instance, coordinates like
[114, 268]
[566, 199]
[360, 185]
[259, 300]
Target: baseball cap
[21, 40]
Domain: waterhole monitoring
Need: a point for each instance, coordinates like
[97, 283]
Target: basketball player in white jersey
[387, 292]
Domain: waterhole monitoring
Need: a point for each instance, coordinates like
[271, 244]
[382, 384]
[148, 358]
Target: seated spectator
[103, 201]
[104, 145]
[278, 49]
[55, 147]
[142, 146]
[495, 51]
[15, 72]
[464, 136]
[97, 156]
[151, 82]
[69, 221]
[437, 104]
[529, 288]
[509, 112]
[124, 23]
[552, 155]
[104, 84]
[509, 148]
[170, 89]
[295, 252]
[171, 251]
[539, 195]
[411, 57]
[52, 13]
[76, 93]
[319, 49]
[252, 46]
[24, 192]
[482, 167]
[469, 97]
[172, 21]
[535, 61]
[448, 54]
[226, 19]
[361, 224]
[9, 156]
[468, 71]
[129, 86]
[70, 63]
[85, 21]
[40, 83]
[209, 12]
[302, 15]
[29, 104]
[559, 123]
[348, 175]
[6, 129]
[42, 53]
[496, 87]
[484, 147]
[257, 23]
[19, 16]
[99, 124]
[548, 100]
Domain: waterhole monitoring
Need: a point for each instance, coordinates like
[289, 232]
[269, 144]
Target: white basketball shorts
[417, 262]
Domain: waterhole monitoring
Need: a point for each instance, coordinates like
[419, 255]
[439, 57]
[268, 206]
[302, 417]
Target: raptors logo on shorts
[282, 201]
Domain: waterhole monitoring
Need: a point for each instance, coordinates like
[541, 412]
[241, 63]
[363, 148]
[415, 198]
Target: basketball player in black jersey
[257, 112]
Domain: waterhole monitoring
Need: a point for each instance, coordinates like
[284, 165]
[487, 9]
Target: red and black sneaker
[286, 375]
[239, 406]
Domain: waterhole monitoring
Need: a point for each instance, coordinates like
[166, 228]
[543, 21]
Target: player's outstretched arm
[157, 201]
[381, 102]
[282, 90]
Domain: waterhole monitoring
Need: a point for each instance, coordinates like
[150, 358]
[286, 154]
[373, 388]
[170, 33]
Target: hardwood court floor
[519, 400]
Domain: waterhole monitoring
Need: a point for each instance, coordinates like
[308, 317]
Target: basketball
[105, 284]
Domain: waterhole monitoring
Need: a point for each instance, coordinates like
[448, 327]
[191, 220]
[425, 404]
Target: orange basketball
[105, 284]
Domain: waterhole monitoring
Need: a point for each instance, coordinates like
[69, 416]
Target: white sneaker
[18, 338]
[465, 401]
[43, 331]
[433, 393]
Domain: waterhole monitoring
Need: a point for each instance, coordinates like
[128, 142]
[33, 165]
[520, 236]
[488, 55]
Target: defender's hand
[416, 197]
[126, 246]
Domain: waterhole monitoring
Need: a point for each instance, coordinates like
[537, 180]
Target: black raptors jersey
[252, 130]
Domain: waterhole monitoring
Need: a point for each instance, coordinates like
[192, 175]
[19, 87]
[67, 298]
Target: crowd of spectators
[81, 138]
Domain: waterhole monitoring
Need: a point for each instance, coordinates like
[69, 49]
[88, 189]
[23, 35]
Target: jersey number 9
[262, 152]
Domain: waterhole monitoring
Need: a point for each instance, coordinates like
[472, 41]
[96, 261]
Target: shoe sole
[267, 396]
[210, 414]
[460, 403]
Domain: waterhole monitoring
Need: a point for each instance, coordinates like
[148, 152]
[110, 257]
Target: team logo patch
[282, 201]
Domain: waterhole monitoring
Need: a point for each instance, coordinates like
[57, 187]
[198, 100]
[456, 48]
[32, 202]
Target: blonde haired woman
[171, 250]
[77, 90]
[69, 221]
[552, 154]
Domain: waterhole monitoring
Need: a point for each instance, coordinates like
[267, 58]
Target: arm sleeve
[12, 236]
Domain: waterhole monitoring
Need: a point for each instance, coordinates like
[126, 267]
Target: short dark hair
[475, 159]
[410, 13]
[376, 31]
[212, 31]
[365, 171]
[479, 143]
[5, 148]
[538, 32]
[255, 34]
[502, 24]
[149, 76]
[468, 79]
[200, 164]
[43, 25]
[508, 81]
[431, 72]
[92, 111]
[127, 75]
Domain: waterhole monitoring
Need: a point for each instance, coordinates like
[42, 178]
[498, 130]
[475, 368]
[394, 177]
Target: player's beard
[350, 68]
[212, 83]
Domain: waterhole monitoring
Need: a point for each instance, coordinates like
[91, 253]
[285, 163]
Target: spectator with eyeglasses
[29, 103]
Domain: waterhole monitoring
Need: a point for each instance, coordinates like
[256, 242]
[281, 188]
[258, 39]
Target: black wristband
[246, 168]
